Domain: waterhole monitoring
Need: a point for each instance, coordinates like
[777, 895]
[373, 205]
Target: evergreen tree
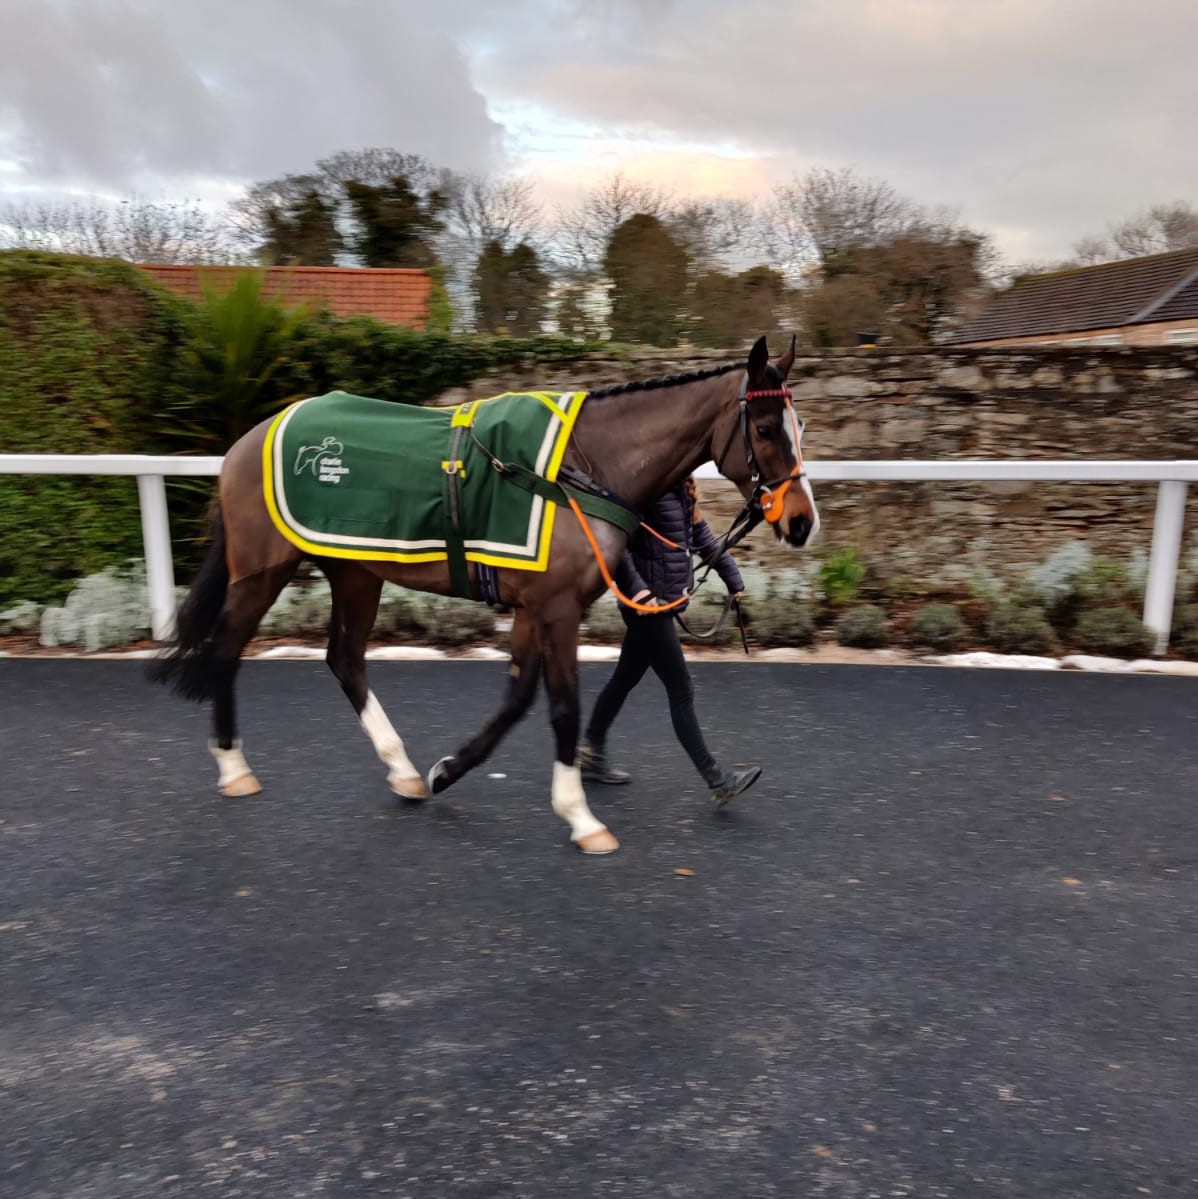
[511, 290]
[647, 268]
[301, 233]
[393, 224]
[728, 310]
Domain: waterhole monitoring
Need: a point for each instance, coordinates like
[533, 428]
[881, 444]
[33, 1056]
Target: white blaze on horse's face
[794, 433]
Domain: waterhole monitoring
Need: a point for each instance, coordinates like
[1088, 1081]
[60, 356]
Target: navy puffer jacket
[666, 572]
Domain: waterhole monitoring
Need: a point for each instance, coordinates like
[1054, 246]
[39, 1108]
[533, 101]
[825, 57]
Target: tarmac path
[948, 946]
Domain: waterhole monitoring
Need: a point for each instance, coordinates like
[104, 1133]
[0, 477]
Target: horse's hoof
[408, 786]
[438, 776]
[599, 842]
[243, 785]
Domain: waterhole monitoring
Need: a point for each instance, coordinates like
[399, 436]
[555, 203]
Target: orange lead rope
[611, 583]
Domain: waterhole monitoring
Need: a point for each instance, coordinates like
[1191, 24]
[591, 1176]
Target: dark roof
[1160, 287]
[398, 295]
[1181, 307]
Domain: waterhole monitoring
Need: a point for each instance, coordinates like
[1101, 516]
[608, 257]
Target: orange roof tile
[398, 295]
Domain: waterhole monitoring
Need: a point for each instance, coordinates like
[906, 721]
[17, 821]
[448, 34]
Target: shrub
[229, 370]
[1016, 628]
[937, 626]
[782, 623]
[460, 622]
[1184, 637]
[104, 611]
[1107, 583]
[301, 610]
[1054, 579]
[865, 627]
[81, 347]
[603, 620]
[1072, 580]
[21, 618]
[96, 358]
[840, 575]
[799, 582]
[1115, 631]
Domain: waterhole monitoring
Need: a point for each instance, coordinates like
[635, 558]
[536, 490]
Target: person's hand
[647, 598]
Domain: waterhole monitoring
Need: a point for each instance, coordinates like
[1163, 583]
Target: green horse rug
[350, 477]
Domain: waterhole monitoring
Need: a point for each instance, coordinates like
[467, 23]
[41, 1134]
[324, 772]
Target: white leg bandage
[387, 742]
[231, 762]
[570, 802]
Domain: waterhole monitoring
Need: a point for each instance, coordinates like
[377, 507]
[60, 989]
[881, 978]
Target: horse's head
[766, 460]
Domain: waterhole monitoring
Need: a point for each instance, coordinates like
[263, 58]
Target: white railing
[1171, 477]
[151, 475]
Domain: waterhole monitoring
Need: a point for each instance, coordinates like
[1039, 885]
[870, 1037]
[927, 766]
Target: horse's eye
[765, 432]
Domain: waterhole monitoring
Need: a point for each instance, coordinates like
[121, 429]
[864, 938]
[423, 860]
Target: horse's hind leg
[523, 677]
[246, 602]
[355, 605]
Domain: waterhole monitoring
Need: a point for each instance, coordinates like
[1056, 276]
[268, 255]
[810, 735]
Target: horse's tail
[187, 666]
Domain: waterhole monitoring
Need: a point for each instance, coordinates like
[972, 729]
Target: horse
[629, 443]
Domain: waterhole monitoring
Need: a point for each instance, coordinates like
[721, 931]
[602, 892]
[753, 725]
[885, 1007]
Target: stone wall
[1085, 402]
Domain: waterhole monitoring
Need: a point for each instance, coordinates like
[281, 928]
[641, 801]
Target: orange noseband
[772, 496]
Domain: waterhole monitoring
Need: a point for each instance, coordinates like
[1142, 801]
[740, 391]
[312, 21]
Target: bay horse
[631, 442]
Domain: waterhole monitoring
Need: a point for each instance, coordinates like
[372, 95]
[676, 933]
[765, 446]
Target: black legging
[652, 641]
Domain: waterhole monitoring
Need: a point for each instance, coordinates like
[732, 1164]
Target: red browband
[781, 393]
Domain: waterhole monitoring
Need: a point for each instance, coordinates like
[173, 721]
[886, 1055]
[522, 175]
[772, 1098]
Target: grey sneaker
[596, 769]
[733, 783]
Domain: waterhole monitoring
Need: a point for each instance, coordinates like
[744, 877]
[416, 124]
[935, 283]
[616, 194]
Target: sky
[1035, 121]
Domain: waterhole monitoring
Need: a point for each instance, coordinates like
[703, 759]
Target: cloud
[109, 94]
[1044, 119]
[1057, 115]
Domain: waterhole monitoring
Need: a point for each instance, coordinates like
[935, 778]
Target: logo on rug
[324, 460]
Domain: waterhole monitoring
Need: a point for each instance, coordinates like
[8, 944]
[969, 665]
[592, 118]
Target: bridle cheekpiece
[769, 495]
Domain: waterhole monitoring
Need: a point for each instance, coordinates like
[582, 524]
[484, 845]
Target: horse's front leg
[523, 676]
[559, 651]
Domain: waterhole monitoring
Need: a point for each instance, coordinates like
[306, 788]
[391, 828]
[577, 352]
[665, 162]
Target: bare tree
[483, 210]
[714, 232]
[583, 233]
[1163, 227]
[485, 215]
[377, 166]
[1086, 252]
[1157, 230]
[252, 216]
[815, 220]
[135, 229]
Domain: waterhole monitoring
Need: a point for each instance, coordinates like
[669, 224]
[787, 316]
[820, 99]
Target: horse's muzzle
[798, 530]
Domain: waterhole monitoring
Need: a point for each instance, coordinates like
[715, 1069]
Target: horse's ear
[759, 359]
[787, 360]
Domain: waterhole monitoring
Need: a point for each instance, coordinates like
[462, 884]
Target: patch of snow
[998, 661]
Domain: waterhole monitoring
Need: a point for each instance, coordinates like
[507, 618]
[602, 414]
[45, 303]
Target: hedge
[96, 358]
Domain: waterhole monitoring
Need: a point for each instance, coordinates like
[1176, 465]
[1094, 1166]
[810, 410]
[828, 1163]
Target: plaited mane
[666, 381]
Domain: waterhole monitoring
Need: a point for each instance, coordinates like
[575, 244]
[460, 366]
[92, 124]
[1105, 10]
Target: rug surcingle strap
[601, 505]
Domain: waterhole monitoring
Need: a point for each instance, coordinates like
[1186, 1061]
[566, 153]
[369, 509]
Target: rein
[730, 601]
[765, 503]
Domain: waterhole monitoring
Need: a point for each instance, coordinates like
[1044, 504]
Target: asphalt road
[948, 946]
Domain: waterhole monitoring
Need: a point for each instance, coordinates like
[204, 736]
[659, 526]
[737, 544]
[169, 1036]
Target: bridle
[769, 495]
